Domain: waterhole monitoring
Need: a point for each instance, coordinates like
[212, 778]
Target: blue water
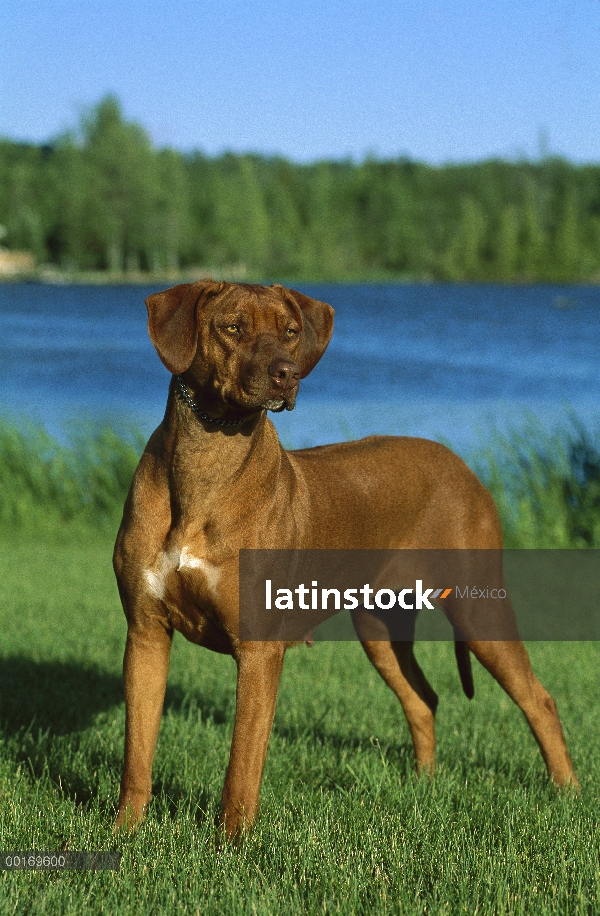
[442, 361]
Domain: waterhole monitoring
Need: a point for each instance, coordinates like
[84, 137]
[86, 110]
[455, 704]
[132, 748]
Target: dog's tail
[463, 660]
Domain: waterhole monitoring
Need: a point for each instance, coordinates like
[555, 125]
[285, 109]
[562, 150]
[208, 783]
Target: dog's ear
[317, 327]
[172, 322]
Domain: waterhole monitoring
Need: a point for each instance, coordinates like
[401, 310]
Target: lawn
[345, 826]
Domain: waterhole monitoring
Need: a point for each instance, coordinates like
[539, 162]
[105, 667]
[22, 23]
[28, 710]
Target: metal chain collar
[203, 416]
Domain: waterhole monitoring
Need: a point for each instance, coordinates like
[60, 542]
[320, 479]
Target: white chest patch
[176, 560]
[155, 578]
[212, 573]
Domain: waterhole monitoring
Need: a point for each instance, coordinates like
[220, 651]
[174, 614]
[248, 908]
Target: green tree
[567, 241]
[385, 218]
[103, 197]
[241, 229]
[279, 180]
[534, 241]
[21, 192]
[72, 239]
[464, 258]
[169, 222]
[119, 157]
[506, 244]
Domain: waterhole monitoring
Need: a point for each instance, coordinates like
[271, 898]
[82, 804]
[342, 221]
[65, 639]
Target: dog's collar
[200, 413]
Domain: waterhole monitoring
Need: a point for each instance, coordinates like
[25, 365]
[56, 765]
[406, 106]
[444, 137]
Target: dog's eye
[291, 332]
[232, 329]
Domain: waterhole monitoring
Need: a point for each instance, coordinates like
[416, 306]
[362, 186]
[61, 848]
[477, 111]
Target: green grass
[345, 826]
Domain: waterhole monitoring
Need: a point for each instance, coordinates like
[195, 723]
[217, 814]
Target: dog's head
[242, 344]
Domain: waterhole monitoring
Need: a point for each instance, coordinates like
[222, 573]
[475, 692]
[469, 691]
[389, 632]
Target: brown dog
[214, 478]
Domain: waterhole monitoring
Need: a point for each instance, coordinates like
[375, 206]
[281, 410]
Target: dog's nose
[284, 373]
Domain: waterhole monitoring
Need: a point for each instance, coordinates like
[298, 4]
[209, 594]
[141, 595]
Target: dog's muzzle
[284, 375]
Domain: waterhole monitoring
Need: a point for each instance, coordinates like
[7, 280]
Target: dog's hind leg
[397, 665]
[508, 663]
[489, 628]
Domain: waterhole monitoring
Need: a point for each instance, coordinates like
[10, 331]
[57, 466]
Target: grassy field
[345, 826]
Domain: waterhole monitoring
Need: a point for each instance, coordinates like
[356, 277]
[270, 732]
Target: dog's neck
[204, 458]
[221, 410]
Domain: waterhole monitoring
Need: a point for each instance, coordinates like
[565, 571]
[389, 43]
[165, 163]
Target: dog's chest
[173, 566]
[188, 584]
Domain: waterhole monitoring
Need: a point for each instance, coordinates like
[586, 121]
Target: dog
[214, 479]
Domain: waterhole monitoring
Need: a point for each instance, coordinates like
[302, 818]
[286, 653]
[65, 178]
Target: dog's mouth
[276, 404]
[275, 400]
[255, 392]
[280, 402]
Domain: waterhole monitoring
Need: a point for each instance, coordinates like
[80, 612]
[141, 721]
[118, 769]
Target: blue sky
[435, 80]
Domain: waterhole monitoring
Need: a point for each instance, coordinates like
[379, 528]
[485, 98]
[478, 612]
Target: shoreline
[233, 274]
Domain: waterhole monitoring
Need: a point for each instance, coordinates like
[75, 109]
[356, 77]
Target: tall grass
[47, 483]
[546, 484]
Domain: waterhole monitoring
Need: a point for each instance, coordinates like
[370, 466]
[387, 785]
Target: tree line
[102, 197]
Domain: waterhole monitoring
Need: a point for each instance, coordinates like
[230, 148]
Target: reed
[546, 484]
[45, 482]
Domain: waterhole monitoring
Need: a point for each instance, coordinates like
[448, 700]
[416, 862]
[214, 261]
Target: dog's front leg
[145, 669]
[259, 671]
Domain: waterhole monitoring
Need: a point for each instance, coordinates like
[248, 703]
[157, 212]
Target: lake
[444, 361]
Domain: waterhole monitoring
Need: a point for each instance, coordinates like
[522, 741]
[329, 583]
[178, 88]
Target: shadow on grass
[47, 710]
[62, 697]
[321, 737]
[65, 697]
[170, 799]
